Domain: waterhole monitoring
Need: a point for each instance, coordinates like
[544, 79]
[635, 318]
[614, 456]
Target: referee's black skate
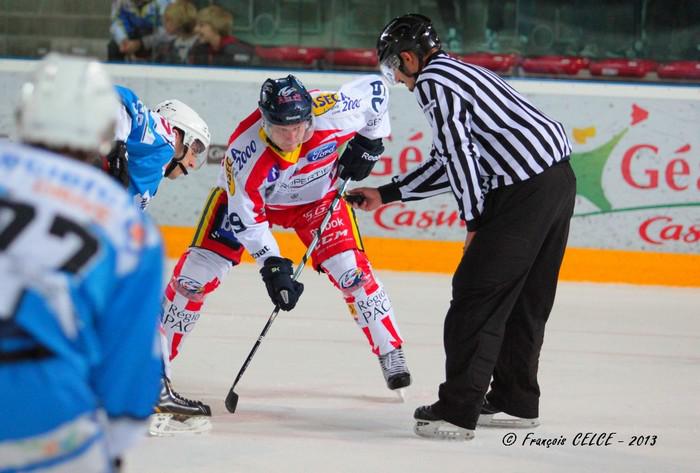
[492, 416]
[395, 371]
[175, 414]
[431, 425]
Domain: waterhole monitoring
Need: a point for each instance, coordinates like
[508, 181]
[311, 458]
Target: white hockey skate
[432, 426]
[491, 416]
[176, 415]
[395, 371]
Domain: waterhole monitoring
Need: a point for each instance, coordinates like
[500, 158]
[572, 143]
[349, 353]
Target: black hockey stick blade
[231, 401]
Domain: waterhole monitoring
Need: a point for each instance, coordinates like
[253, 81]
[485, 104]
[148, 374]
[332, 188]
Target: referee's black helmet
[411, 32]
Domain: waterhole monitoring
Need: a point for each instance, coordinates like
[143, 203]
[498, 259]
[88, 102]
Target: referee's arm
[448, 114]
[427, 180]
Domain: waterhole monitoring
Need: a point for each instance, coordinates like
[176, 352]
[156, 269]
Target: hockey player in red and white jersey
[281, 168]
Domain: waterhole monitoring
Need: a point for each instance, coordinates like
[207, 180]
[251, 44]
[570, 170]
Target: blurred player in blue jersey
[152, 144]
[81, 271]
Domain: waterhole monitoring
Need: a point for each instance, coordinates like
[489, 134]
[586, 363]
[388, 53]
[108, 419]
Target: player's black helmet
[411, 32]
[285, 101]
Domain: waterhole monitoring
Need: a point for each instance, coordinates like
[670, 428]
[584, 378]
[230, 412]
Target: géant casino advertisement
[636, 152]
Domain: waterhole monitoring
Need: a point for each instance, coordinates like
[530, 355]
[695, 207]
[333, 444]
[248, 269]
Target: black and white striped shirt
[485, 135]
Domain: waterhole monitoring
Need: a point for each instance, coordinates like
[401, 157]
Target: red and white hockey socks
[197, 274]
[366, 298]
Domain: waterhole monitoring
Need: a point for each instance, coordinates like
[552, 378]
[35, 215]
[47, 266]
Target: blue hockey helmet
[285, 101]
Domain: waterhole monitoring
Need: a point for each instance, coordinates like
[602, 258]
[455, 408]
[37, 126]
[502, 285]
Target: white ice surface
[617, 358]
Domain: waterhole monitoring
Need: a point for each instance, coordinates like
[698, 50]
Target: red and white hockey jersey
[256, 175]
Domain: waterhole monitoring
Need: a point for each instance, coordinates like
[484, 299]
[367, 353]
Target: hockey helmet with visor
[62, 83]
[195, 132]
[287, 110]
[411, 32]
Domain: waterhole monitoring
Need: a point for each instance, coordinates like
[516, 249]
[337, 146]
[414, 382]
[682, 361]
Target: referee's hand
[468, 241]
[364, 198]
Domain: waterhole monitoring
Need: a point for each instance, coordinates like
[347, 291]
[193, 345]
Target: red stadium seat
[352, 57]
[492, 61]
[289, 54]
[679, 70]
[569, 65]
[622, 67]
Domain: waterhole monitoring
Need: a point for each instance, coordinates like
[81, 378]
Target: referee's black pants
[502, 294]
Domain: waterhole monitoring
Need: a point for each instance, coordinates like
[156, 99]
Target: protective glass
[199, 150]
[197, 147]
[288, 137]
[388, 68]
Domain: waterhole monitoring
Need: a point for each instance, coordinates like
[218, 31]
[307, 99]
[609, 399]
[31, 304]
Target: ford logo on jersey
[321, 152]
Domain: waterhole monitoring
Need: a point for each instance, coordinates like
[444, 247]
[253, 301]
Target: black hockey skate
[395, 371]
[492, 416]
[175, 414]
[429, 424]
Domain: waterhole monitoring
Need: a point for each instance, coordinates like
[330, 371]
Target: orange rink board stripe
[580, 264]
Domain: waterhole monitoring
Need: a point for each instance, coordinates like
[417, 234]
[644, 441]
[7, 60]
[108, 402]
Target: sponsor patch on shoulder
[324, 102]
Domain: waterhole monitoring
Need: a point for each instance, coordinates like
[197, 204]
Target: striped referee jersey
[485, 135]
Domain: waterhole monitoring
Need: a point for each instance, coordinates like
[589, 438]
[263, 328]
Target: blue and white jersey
[81, 271]
[150, 141]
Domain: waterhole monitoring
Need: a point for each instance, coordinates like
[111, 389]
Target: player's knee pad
[368, 302]
[197, 273]
[350, 272]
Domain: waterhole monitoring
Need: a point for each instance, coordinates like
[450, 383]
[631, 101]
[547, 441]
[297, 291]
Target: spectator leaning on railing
[179, 21]
[216, 45]
[136, 26]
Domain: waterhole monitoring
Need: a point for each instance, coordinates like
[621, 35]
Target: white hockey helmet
[69, 103]
[196, 131]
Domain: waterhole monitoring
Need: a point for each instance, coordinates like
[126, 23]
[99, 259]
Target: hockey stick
[232, 398]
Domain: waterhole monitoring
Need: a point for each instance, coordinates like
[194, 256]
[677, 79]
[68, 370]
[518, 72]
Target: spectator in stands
[216, 45]
[136, 26]
[179, 21]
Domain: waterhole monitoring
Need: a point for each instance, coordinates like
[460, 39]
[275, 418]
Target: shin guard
[196, 274]
[366, 298]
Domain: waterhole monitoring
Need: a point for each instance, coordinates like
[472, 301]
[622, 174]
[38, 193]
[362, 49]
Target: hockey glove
[117, 163]
[277, 274]
[359, 157]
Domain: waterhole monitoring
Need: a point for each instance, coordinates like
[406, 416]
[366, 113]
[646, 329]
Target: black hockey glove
[359, 157]
[277, 274]
[117, 163]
